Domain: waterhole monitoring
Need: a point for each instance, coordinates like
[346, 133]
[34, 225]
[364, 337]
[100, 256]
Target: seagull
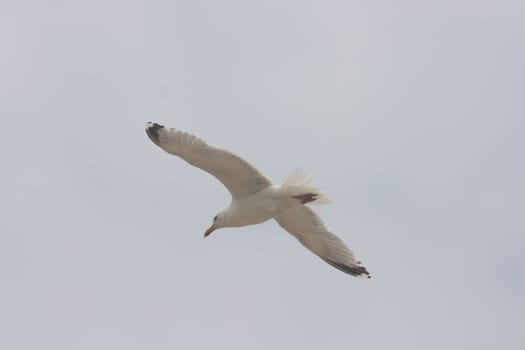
[255, 199]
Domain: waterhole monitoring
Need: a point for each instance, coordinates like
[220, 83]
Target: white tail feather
[300, 182]
[299, 177]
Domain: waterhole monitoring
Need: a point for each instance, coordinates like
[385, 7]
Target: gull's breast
[257, 208]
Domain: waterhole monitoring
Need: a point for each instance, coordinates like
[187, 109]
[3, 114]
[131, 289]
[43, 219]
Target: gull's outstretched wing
[309, 229]
[239, 176]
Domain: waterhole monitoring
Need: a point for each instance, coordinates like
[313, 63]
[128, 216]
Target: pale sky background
[410, 114]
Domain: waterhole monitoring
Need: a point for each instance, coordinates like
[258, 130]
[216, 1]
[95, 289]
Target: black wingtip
[152, 129]
[354, 270]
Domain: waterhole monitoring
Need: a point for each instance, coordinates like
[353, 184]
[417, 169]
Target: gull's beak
[209, 231]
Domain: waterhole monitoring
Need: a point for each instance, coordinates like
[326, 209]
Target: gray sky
[410, 115]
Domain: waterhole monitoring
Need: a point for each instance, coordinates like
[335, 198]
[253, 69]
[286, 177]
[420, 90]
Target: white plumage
[255, 199]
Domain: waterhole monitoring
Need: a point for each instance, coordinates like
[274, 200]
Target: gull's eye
[215, 218]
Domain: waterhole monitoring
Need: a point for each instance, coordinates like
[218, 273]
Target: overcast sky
[410, 114]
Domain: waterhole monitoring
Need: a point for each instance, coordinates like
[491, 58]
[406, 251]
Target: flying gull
[255, 199]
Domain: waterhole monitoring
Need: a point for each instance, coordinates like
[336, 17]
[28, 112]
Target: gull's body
[255, 199]
[256, 208]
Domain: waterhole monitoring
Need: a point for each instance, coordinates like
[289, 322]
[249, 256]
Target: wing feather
[303, 223]
[240, 177]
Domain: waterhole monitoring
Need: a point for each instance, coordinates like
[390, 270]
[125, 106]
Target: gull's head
[218, 222]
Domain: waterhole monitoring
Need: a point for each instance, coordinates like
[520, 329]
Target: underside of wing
[240, 177]
[303, 223]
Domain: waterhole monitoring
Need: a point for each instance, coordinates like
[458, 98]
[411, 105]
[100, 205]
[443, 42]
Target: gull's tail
[302, 186]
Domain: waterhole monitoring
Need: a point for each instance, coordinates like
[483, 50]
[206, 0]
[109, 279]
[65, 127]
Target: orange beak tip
[209, 231]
